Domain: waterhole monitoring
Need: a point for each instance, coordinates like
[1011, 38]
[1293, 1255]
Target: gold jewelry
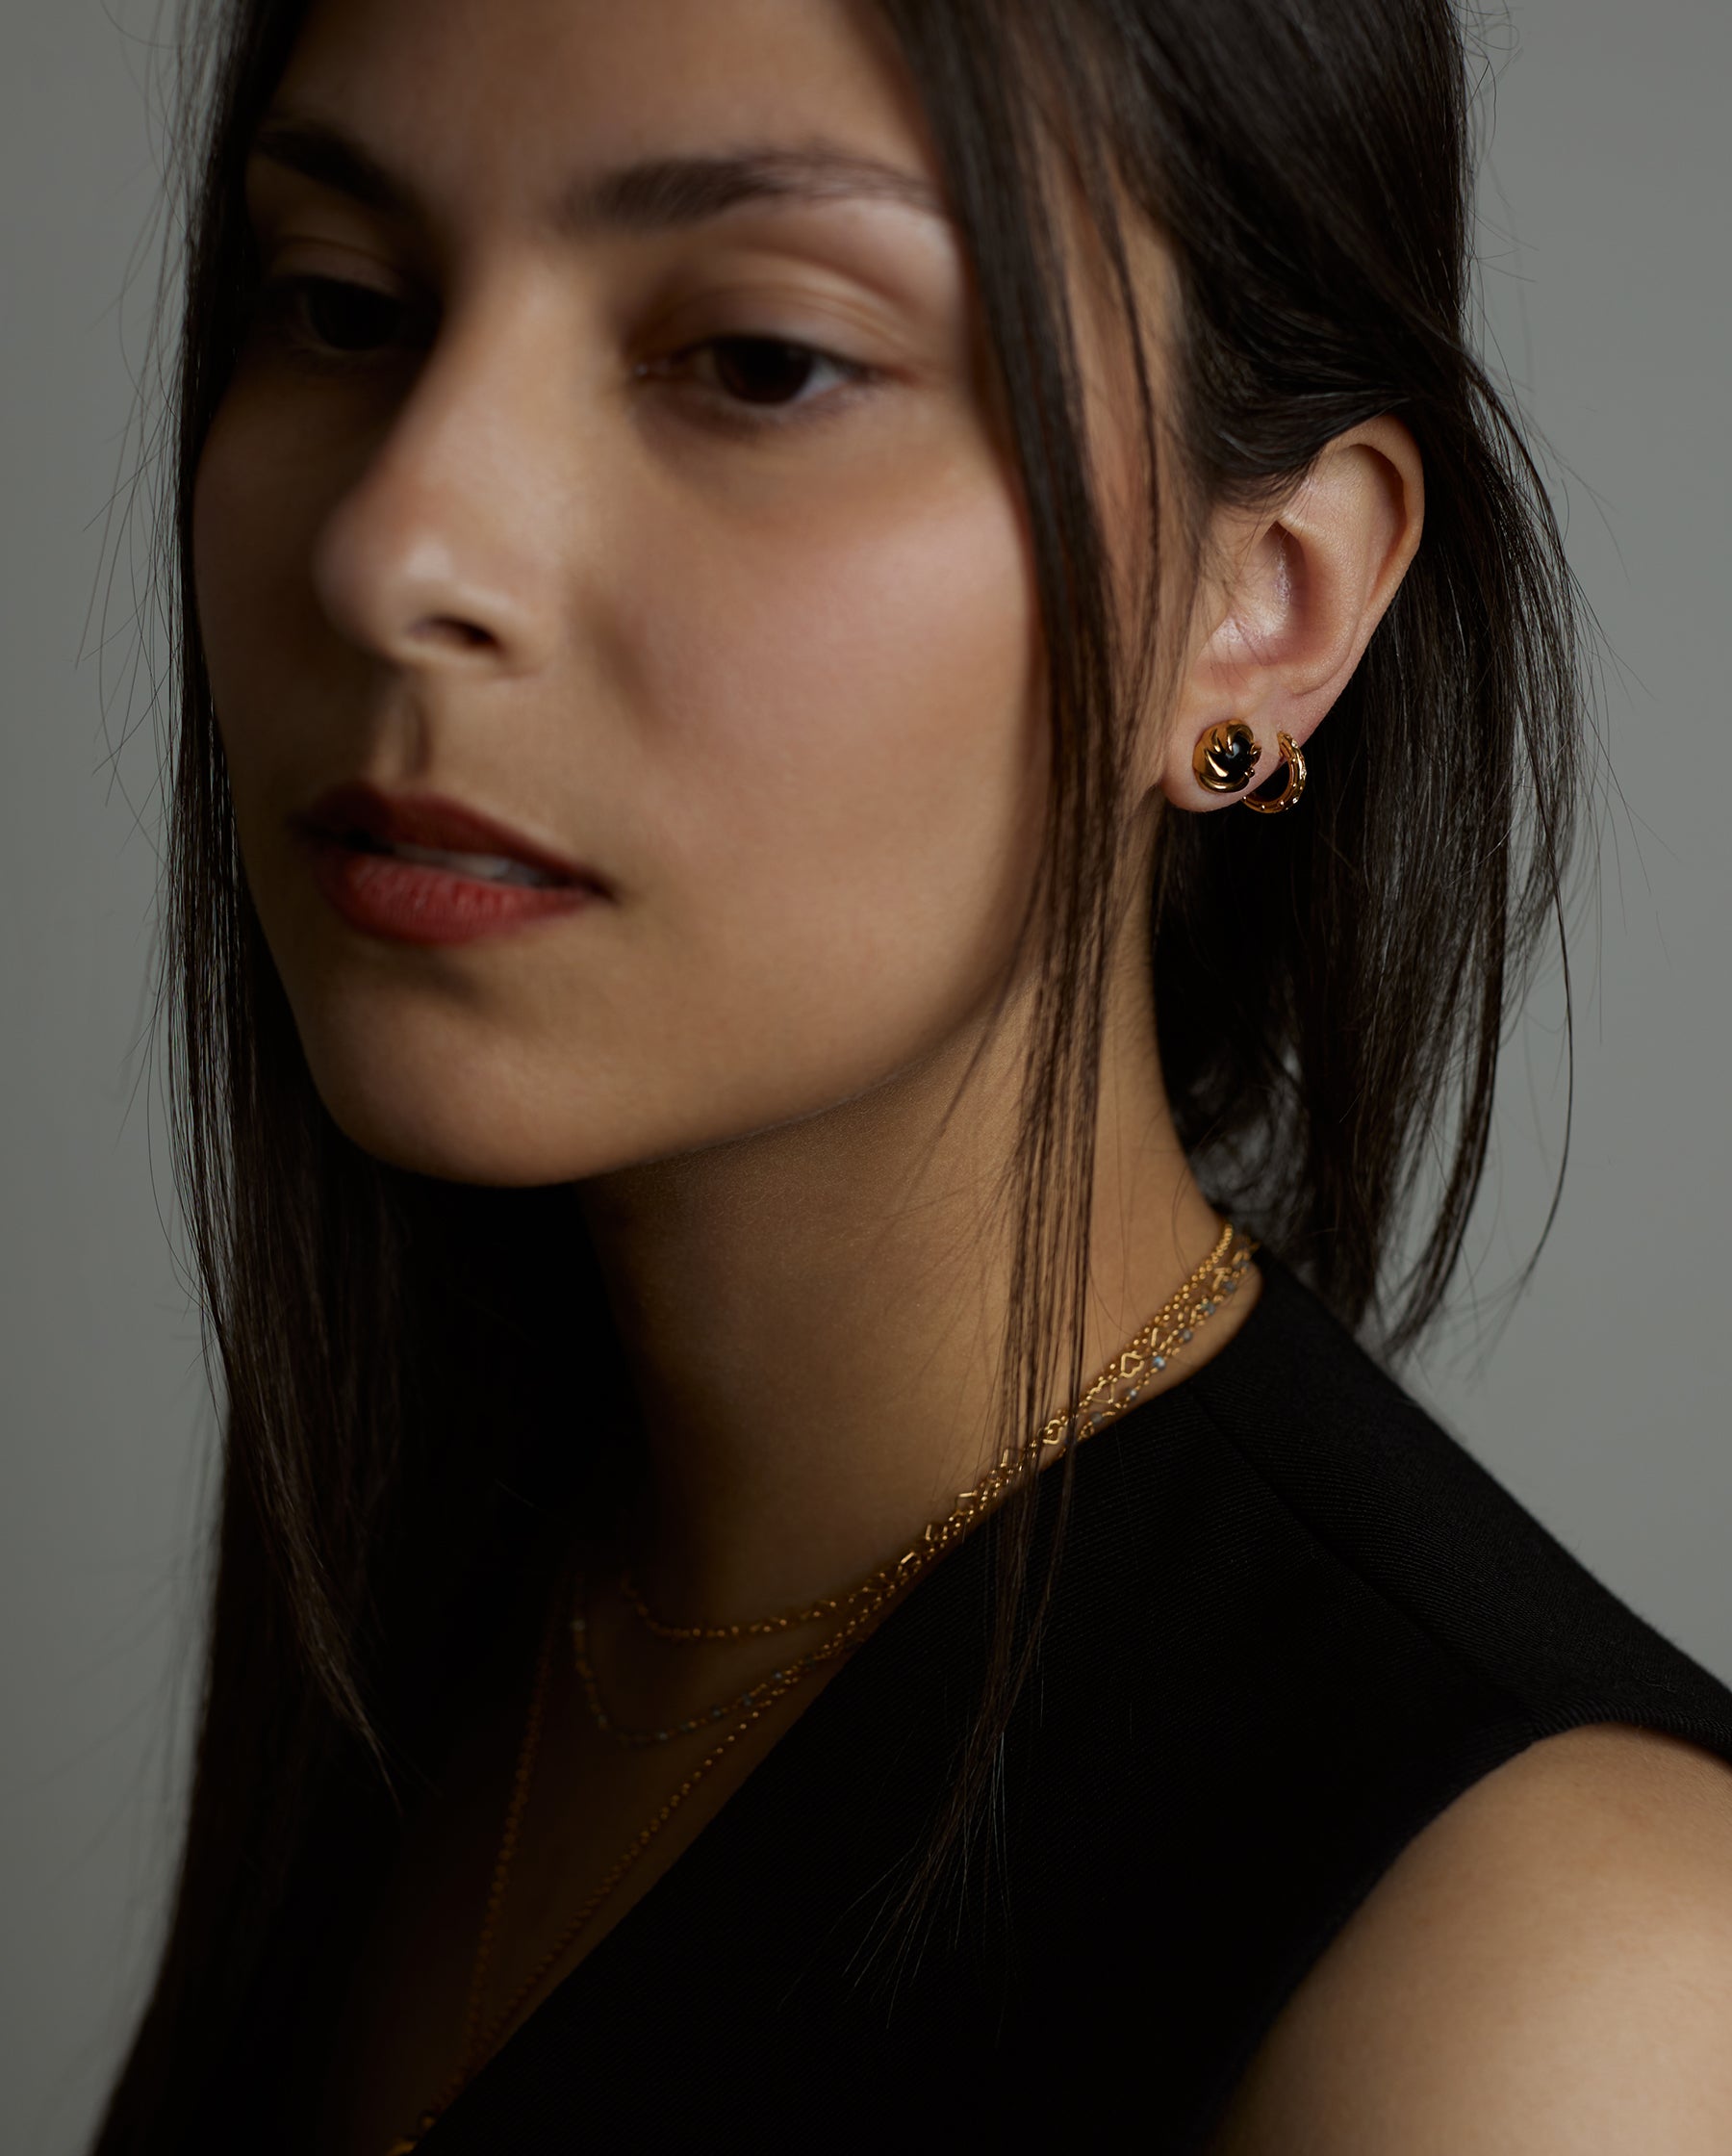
[1294, 758]
[1165, 1335]
[1170, 1330]
[1226, 755]
[781, 1680]
[478, 2044]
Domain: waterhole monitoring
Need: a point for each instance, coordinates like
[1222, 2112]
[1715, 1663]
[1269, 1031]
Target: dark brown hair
[1332, 986]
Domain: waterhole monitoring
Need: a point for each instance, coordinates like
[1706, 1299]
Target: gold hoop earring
[1294, 758]
[1226, 755]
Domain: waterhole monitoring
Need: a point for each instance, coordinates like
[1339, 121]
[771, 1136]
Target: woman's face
[612, 461]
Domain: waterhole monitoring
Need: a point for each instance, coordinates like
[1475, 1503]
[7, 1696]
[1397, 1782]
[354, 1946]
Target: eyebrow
[651, 194]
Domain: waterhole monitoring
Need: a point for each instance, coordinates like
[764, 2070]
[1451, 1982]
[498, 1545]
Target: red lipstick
[415, 869]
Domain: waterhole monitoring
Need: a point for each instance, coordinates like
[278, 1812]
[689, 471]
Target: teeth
[486, 868]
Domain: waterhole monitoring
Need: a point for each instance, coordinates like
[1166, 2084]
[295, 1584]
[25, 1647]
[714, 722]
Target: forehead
[514, 98]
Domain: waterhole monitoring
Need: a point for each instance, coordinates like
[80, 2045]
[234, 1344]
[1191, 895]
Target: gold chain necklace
[1165, 1335]
[478, 2044]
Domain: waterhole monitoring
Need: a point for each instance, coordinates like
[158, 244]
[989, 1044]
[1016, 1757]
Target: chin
[496, 1116]
[443, 1141]
[477, 1119]
[479, 1094]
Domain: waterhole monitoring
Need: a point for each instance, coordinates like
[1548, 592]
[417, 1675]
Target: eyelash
[740, 416]
[285, 303]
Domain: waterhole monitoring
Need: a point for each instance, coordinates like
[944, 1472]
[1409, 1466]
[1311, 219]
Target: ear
[1288, 606]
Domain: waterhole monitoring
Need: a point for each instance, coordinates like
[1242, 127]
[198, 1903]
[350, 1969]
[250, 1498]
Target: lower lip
[407, 902]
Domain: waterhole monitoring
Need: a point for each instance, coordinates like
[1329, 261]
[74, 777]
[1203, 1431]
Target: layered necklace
[1117, 1389]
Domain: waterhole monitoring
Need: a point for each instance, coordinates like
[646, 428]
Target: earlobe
[1286, 624]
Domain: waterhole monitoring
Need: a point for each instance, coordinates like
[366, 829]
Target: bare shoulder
[1548, 1967]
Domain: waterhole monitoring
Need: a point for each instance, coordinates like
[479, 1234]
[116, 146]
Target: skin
[1545, 1971]
[776, 676]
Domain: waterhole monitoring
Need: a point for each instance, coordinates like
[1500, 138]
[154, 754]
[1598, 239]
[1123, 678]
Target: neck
[812, 1317]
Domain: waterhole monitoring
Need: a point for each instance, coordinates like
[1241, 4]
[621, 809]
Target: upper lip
[358, 810]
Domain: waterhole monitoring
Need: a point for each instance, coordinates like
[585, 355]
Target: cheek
[284, 693]
[264, 488]
[241, 551]
[242, 582]
[860, 749]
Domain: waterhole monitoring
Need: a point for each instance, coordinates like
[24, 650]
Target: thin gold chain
[1144, 1355]
[1165, 1335]
[478, 2044]
[799, 1666]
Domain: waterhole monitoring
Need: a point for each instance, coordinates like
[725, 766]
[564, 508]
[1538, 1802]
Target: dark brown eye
[748, 382]
[350, 317]
[761, 369]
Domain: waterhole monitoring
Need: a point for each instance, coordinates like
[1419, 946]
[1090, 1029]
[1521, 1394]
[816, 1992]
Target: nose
[443, 555]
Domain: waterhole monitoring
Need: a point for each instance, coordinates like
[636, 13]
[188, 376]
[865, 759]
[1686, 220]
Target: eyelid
[809, 306]
[304, 255]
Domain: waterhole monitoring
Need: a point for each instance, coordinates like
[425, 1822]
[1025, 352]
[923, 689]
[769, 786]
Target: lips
[415, 869]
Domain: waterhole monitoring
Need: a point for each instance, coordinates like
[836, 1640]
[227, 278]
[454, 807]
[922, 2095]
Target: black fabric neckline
[1293, 1619]
[863, 1694]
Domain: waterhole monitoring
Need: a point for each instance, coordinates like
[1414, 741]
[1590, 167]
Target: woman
[741, 562]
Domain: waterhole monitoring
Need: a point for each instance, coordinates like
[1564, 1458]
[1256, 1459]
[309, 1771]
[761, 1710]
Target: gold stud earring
[1294, 759]
[1226, 755]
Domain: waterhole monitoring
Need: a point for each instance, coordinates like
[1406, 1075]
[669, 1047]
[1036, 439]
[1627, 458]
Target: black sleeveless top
[1294, 1619]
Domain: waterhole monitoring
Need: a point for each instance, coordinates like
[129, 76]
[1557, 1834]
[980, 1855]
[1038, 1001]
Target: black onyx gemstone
[1226, 758]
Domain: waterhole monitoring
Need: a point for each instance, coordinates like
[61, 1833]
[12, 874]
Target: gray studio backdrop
[1605, 1402]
